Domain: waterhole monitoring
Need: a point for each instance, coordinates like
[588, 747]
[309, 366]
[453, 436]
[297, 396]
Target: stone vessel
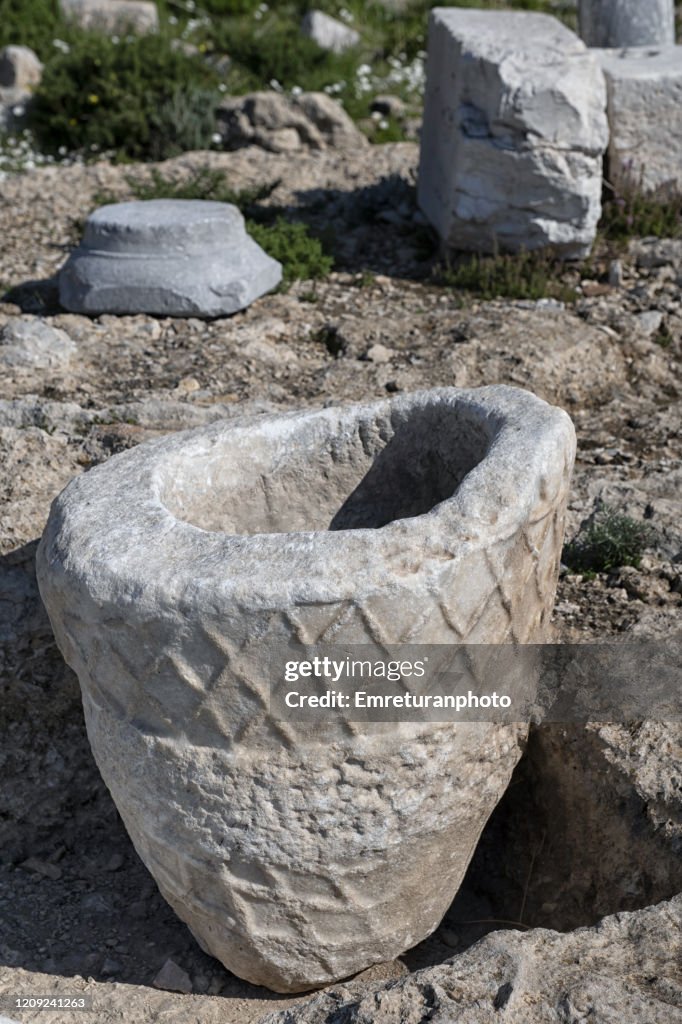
[171, 257]
[298, 856]
[616, 23]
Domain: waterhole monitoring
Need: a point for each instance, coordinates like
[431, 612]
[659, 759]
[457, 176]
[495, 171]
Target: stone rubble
[328, 32]
[514, 133]
[617, 23]
[286, 124]
[644, 88]
[166, 256]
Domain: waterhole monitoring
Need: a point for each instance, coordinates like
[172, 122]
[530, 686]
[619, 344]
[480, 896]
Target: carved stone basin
[298, 856]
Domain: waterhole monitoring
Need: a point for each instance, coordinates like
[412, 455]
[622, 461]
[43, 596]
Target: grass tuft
[608, 541]
[524, 275]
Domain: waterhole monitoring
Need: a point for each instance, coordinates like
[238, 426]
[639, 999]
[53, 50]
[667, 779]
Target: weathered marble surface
[172, 257]
[298, 856]
[514, 133]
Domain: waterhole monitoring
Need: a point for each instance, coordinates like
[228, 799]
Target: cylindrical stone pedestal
[613, 23]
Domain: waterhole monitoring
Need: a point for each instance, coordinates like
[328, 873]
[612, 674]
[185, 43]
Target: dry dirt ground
[78, 911]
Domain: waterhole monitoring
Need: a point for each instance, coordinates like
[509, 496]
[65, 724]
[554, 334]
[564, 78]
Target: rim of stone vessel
[111, 530]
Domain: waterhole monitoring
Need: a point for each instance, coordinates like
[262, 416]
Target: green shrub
[608, 541]
[34, 23]
[524, 275]
[302, 256]
[139, 98]
[276, 50]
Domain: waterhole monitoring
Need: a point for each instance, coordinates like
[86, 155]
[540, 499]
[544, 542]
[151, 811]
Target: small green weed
[302, 256]
[631, 212]
[524, 275]
[608, 541]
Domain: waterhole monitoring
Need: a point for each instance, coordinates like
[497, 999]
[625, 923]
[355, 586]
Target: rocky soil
[592, 823]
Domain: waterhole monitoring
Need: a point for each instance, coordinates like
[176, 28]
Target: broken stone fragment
[174, 572]
[171, 257]
[328, 33]
[514, 133]
[172, 978]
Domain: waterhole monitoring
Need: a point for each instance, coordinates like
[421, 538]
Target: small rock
[19, 68]
[328, 33]
[379, 354]
[615, 273]
[172, 978]
[649, 323]
[42, 867]
[33, 343]
[115, 862]
[266, 352]
[110, 15]
[187, 385]
[389, 106]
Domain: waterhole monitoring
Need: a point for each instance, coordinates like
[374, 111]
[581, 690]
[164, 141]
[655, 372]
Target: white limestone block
[329, 33]
[644, 87]
[112, 15]
[301, 854]
[514, 133]
[20, 68]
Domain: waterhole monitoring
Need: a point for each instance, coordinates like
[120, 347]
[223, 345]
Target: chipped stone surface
[437, 517]
[173, 257]
[514, 133]
[617, 23]
[644, 86]
[625, 969]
